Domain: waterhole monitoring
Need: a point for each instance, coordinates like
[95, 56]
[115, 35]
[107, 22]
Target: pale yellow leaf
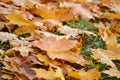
[112, 72]
[103, 58]
[4, 36]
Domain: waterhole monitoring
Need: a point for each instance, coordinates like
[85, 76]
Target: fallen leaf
[73, 32]
[73, 56]
[43, 58]
[4, 36]
[56, 14]
[18, 19]
[92, 74]
[52, 44]
[114, 5]
[25, 26]
[19, 66]
[114, 15]
[23, 50]
[77, 9]
[102, 58]
[61, 49]
[112, 72]
[50, 74]
[110, 39]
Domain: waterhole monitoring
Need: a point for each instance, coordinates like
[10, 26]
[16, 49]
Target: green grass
[83, 24]
[5, 45]
[93, 42]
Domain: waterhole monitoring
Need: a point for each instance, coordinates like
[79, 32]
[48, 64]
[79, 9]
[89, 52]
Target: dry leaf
[77, 9]
[19, 66]
[112, 72]
[110, 38]
[19, 3]
[114, 5]
[73, 32]
[103, 58]
[43, 58]
[23, 50]
[54, 44]
[111, 54]
[92, 74]
[56, 14]
[61, 49]
[74, 57]
[25, 26]
[50, 74]
[4, 36]
[114, 15]
[19, 20]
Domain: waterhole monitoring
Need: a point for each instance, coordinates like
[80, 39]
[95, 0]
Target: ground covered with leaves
[59, 39]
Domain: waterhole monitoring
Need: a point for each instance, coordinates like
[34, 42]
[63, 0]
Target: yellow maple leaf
[18, 19]
[50, 74]
[56, 14]
[25, 26]
[92, 74]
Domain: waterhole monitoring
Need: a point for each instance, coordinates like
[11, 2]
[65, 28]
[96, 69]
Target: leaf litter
[68, 39]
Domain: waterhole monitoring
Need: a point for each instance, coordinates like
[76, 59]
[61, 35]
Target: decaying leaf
[19, 66]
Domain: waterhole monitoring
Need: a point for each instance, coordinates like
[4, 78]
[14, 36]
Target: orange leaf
[114, 15]
[57, 14]
[61, 49]
[44, 12]
[92, 74]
